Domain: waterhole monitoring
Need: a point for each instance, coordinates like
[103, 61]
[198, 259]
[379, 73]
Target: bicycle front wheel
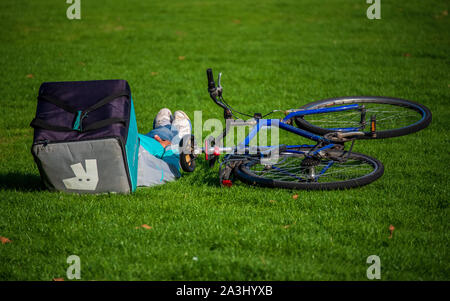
[294, 169]
[394, 116]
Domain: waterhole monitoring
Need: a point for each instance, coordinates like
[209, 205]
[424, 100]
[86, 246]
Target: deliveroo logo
[84, 179]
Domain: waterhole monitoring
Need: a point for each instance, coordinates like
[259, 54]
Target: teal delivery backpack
[85, 137]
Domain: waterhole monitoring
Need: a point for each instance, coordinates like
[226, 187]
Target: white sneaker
[164, 117]
[182, 124]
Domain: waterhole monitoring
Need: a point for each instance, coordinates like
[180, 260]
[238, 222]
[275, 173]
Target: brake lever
[219, 86]
[218, 79]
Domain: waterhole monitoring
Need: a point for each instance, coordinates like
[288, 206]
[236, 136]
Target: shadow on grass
[20, 182]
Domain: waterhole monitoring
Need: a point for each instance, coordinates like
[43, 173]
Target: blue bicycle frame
[216, 94]
[267, 123]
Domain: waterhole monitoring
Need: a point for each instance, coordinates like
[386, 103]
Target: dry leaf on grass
[295, 196]
[30, 75]
[58, 279]
[145, 226]
[287, 226]
[154, 73]
[391, 230]
[4, 240]
[181, 57]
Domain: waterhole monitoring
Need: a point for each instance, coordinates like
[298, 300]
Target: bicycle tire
[246, 175]
[425, 120]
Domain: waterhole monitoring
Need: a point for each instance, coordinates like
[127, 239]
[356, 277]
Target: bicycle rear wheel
[394, 116]
[295, 169]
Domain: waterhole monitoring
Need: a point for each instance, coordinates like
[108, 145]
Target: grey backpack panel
[92, 166]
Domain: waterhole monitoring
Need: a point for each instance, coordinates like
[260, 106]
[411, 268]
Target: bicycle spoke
[387, 117]
[290, 169]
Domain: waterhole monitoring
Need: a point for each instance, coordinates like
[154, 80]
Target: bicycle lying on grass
[330, 123]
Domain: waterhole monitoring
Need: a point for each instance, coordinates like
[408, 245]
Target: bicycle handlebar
[215, 92]
[211, 83]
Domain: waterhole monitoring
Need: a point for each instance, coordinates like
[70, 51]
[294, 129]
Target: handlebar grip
[211, 83]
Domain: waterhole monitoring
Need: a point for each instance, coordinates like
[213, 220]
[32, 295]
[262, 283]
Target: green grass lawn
[273, 55]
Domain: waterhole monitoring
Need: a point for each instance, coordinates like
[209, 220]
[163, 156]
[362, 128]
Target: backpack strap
[94, 107]
[102, 123]
[80, 115]
[57, 103]
[106, 100]
[39, 123]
